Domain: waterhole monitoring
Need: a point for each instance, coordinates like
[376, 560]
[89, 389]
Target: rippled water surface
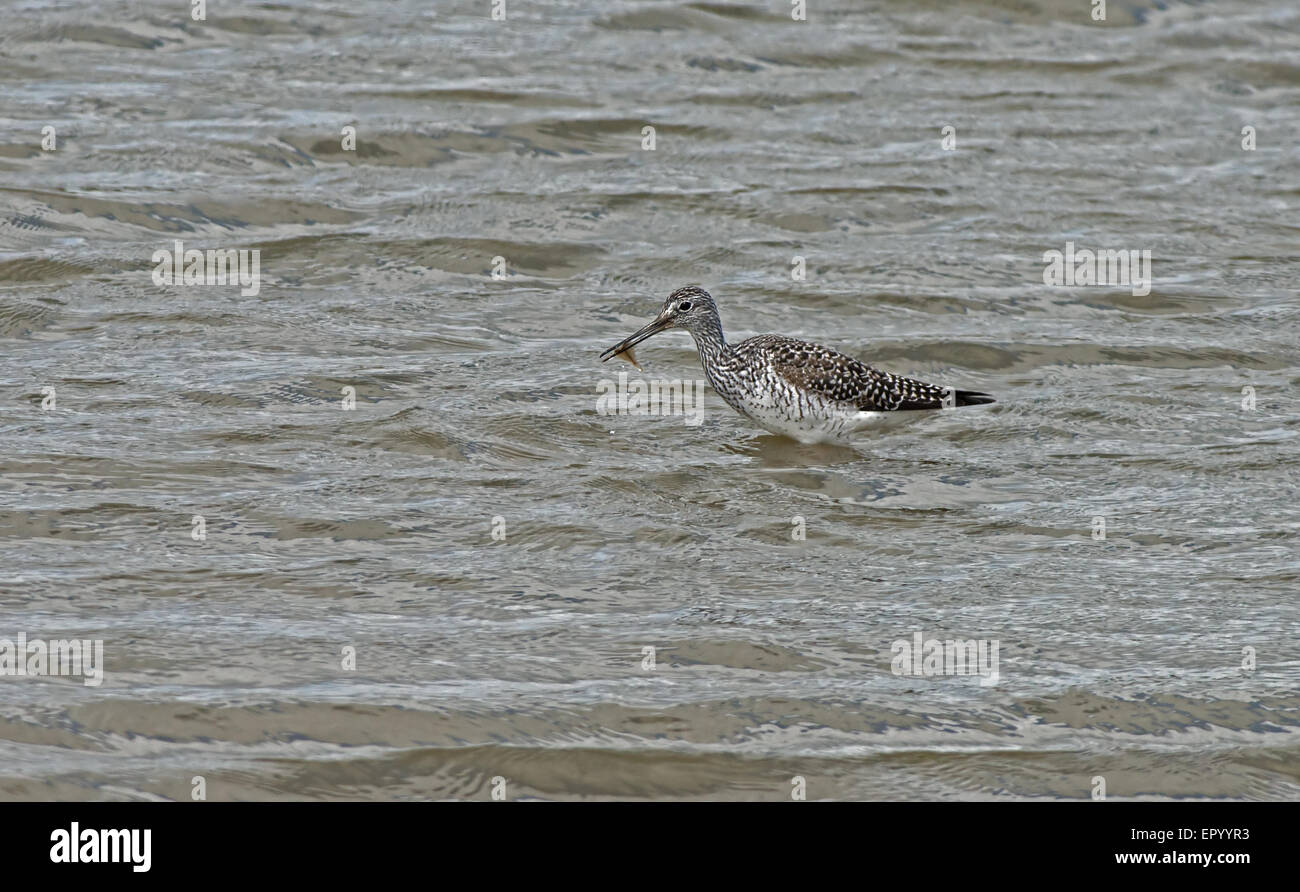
[476, 399]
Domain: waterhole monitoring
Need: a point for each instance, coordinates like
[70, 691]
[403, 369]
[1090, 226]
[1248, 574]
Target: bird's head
[691, 308]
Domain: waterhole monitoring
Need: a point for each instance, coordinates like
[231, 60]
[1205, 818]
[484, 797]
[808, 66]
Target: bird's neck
[709, 341]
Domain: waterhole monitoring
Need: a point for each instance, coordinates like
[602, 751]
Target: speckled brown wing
[847, 380]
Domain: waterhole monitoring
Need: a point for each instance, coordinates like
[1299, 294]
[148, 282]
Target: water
[1120, 658]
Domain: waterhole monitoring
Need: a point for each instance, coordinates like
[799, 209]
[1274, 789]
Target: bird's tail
[972, 398]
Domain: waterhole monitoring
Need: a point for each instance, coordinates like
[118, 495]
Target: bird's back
[837, 378]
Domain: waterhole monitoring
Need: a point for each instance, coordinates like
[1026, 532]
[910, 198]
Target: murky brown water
[476, 398]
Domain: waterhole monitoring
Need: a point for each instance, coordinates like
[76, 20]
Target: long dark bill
[653, 328]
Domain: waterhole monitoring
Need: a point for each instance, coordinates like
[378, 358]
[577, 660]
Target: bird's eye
[684, 306]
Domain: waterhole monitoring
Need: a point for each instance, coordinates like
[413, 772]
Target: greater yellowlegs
[805, 391]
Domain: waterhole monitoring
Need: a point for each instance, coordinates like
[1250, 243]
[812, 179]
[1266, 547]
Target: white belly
[815, 424]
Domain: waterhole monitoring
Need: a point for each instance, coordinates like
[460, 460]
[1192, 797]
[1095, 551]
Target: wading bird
[791, 387]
